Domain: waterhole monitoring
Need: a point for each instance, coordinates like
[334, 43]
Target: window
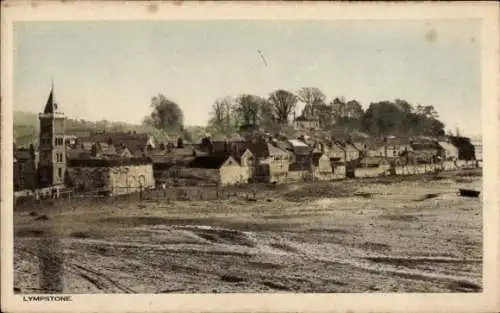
[59, 141]
[59, 172]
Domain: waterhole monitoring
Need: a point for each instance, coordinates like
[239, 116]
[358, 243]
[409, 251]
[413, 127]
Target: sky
[111, 70]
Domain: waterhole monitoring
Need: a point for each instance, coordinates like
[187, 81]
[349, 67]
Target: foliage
[282, 103]
[248, 109]
[166, 114]
[401, 118]
[223, 118]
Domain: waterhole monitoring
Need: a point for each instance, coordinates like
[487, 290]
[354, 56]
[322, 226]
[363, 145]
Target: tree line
[276, 113]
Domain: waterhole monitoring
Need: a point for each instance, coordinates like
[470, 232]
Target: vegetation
[275, 113]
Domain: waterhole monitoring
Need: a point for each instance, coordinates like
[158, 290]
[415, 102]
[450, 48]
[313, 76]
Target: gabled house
[224, 170]
[272, 162]
[321, 167]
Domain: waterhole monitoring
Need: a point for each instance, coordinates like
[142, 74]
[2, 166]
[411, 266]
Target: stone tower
[52, 148]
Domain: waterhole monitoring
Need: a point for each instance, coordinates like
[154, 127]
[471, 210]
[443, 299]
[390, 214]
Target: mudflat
[379, 235]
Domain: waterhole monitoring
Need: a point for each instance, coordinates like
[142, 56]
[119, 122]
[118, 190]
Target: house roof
[77, 133]
[421, 146]
[22, 154]
[265, 149]
[302, 150]
[132, 141]
[374, 160]
[447, 146]
[297, 143]
[105, 148]
[209, 162]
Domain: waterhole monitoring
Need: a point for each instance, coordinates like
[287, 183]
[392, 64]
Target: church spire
[51, 105]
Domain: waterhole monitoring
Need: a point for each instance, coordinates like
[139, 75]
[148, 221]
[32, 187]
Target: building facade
[52, 147]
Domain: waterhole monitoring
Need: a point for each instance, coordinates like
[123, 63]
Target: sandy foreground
[386, 235]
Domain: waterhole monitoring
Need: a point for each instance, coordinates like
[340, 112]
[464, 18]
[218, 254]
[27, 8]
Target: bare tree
[223, 118]
[248, 108]
[311, 97]
[282, 103]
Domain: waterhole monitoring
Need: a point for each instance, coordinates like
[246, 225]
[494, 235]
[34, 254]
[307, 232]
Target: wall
[89, 178]
[278, 171]
[233, 174]
[130, 178]
[416, 169]
[296, 176]
[25, 174]
[339, 172]
[118, 179]
[324, 169]
[362, 172]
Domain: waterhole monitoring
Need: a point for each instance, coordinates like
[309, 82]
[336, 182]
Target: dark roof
[51, 105]
[425, 146]
[208, 162]
[74, 154]
[107, 162]
[132, 141]
[265, 149]
[78, 133]
[302, 150]
[22, 154]
[315, 158]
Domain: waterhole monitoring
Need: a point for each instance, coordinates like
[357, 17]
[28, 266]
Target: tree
[166, 114]
[353, 109]
[311, 96]
[338, 106]
[248, 109]
[399, 118]
[223, 119]
[282, 104]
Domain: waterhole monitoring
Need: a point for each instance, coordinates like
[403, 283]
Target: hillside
[26, 128]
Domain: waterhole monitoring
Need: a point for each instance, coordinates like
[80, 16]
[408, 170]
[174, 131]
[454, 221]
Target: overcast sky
[110, 70]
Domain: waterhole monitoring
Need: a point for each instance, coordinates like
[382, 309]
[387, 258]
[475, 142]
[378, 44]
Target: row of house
[122, 162]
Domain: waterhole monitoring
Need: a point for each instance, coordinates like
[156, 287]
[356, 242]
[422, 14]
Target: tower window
[59, 172]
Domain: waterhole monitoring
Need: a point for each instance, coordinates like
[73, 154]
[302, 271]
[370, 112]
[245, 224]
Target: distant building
[137, 144]
[308, 120]
[25, 169]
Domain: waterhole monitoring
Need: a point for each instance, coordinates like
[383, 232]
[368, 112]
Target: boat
[469, 192]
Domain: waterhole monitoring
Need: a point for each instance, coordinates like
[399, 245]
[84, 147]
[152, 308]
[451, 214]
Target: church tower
[52, 148]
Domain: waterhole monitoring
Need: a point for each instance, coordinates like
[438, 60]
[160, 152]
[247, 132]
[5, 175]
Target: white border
[488, 301]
